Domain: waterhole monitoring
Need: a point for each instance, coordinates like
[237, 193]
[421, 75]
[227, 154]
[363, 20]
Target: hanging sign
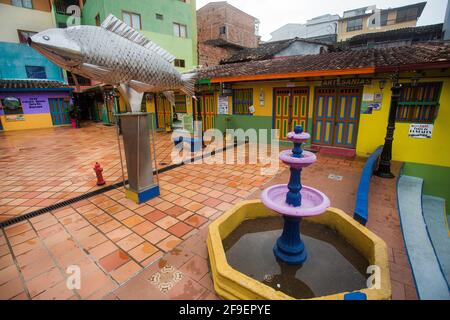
[420, 130]
[223, 105]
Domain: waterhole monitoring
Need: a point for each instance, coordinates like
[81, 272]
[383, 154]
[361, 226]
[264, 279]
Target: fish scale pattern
[121, 60]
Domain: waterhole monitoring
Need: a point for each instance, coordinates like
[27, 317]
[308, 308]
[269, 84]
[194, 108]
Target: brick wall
[240, 27]
[210, 55]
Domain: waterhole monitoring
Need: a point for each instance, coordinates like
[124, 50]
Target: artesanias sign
[420, 130]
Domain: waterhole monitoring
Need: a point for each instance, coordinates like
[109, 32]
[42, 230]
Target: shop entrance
[336, 116]
[290, 109]
[206, 110]
[59, 110]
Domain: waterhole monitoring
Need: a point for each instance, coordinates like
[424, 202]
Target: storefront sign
[368, 97]
[420, 130]
[34, 102]
[223, 105]
[352, 82]
[378, 97]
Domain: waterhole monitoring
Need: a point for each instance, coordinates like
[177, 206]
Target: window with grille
[180, 103]
[242, 100]
[419, 103]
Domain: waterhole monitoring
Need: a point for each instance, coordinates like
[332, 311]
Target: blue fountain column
[289, 247]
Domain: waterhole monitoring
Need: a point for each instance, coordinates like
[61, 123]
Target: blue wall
[14, 57]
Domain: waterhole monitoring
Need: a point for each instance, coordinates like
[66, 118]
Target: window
[24, 35]
[179, 63]
[179, 30]
[11, 106]
[354, 24]
[35, 72]
[242, 100]
[97, 20]
[132, 19]
[419, 103]
[180, 103]
[159, 16]
[223, 30]
[406, 14]
[383, 19]
[22, 3]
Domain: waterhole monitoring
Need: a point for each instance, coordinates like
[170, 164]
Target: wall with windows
[434, 151]
[175, 31]
[351, 27]
[371, 128]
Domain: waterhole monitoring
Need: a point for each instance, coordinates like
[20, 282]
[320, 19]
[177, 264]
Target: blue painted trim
[361, 213]
[148, 194]
[355, 296]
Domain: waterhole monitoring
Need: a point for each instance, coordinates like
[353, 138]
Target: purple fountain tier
[294, 201]
[314, 202]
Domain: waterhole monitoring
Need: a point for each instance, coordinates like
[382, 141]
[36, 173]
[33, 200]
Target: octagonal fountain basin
[243, 266]
[314, 202]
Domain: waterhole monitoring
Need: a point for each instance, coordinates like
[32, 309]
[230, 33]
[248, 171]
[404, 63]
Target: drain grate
[88, 195]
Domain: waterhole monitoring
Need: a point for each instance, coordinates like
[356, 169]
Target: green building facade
[169, 23]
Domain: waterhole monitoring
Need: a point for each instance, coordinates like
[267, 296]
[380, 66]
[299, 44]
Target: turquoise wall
[159, 31]
[14, 57]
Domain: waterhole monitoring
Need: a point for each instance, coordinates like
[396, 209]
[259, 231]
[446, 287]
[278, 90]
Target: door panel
[163, 112]
[291, 109]
[206, 110]
[59, 111]
[324, 116]
[336, 115]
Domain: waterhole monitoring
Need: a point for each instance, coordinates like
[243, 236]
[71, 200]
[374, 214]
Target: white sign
[223, 105]
[368, 97]
[420, 130]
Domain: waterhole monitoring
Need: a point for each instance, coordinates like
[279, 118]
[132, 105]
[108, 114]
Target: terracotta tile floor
[39, 168]
[112, 239]
[154, 250]
[190, 259]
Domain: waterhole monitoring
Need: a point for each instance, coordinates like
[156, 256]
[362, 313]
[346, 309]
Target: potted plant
[74, 115]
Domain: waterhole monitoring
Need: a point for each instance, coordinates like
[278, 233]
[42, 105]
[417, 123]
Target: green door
[59, 110]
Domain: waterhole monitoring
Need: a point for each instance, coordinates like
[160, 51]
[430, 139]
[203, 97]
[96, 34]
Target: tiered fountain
[294, 201]
[241, 242]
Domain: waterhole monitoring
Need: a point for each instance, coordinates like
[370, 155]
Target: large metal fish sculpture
[115, 54]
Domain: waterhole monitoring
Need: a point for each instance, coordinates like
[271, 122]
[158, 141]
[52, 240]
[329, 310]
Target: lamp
[382, 83]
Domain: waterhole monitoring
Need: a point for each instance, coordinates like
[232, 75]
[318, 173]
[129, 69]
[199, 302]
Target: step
[429, 280]
[435, 219]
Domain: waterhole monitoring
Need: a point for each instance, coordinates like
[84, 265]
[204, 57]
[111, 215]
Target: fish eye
[46, 38]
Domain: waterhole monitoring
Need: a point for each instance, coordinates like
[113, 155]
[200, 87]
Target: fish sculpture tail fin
[188, 83]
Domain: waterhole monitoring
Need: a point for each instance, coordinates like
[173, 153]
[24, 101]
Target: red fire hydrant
[98, 172]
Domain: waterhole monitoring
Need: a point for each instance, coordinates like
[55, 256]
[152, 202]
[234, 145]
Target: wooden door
[347, 115]
[299, 107]
[59, 110]
[163, 112]
[291, 109]
[336, 115]
[206, 111]
[324, 116]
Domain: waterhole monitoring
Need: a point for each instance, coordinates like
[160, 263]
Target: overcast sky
[276, 13]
